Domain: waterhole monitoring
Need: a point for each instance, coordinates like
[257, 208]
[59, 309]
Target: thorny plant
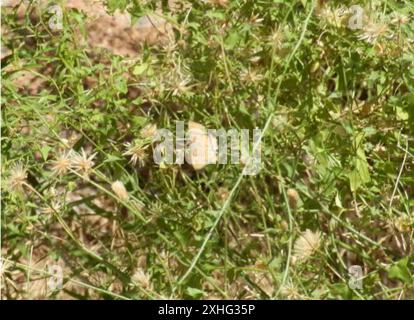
[331, 92]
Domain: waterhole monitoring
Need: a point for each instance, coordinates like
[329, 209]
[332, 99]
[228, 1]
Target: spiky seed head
[82, 163]
[141, 278]
[149, 131]
[17, 177]
[62, 163]
[137, 152]
[306, 245]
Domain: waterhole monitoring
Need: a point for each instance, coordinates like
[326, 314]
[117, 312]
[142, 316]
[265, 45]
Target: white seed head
[306, 245]
[149, 131]
[52, 208]
[293, 197]
[290, 291]
[119, 189]
[141, 278]
[17, 177]
[62, 163]
[398, 18]
[82, 163]
[137, 152]
[373, 31]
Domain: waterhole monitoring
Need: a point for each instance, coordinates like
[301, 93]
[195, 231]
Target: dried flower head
[306, 245]
[17, 177]
[277, 37]
[137, 153]
[119, 189]
[334, 17]
[398, 18]
[222, 194]
[149, 131]
[180, 86]
[404, 223]
[250, 76]
[293, 197]
[373, 31]
[62, 163]
[4, 265]
[290, 291]
[53, 207]
[141, 278]
[82, 163]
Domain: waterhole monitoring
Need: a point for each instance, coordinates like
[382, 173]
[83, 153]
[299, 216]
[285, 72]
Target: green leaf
[338, 202]
[138, 70]
[401, 271]
[112, 158]
[216, 14]
[360, 174]
[194, 292]
[354, 180]
[121, 85]
[45, 152]
[116, 4]
[410, 111]
[231, 41]
[139, 121]
[401, 114]
[363, 170]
